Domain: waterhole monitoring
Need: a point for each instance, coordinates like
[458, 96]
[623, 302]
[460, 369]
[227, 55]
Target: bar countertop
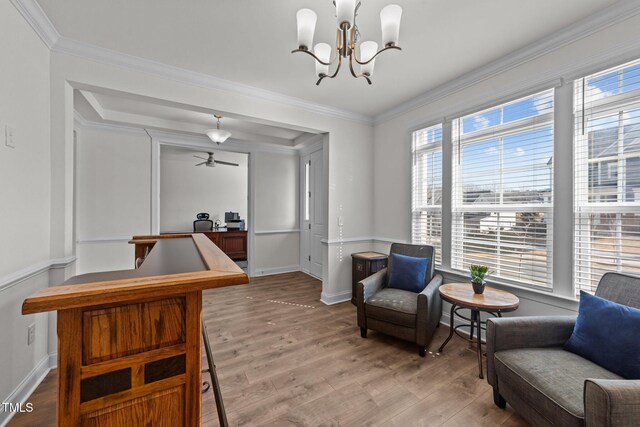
[186, 262]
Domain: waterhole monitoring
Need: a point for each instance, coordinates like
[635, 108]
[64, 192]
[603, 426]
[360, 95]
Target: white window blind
[607, 174]
[503, 190]
[426, 222]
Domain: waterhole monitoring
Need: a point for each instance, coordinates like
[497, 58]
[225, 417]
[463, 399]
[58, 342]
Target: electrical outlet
[31, 334]
[9, 136]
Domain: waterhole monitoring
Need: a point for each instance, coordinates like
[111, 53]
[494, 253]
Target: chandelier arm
[323, 76]
[308, 52]
[353, 73]
[378, 53]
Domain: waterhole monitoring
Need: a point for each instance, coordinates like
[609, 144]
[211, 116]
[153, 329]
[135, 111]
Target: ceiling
[249, 42]
[108, 106]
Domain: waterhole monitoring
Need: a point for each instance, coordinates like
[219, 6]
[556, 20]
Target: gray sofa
[406, 315]
[549, 386]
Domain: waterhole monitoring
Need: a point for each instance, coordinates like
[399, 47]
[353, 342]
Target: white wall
[276, 181]
[25, 200]
[186, 190]
[392, 155]
[113, 201]
[348, 146]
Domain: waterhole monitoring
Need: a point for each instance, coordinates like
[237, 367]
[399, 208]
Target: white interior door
[313, 221]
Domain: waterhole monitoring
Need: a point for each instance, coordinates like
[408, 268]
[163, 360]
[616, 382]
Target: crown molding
[41, 24]
[184, 140]
[82, 123]
[612, 15]
[39, 21]
[110, 57]
[204, 143]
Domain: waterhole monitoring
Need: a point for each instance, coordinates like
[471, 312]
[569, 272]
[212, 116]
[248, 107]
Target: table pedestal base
[475, 326]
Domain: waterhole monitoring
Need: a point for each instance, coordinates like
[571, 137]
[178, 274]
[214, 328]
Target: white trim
[259, 272]
[331, 299]
[309, 143]
[594, 23]
[612, 15]
[287, 231]
[80, 123]
[53, 360]
[103, 240]
[389, 240]
[39, 21]
[350, 241]
[201, 142]
[186, 140]
[20, 276]
[170, 72]
[27, 386]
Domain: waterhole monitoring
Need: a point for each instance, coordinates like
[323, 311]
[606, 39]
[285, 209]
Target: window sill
[540, 295]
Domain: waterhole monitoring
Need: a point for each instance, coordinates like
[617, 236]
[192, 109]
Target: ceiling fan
[212, 163]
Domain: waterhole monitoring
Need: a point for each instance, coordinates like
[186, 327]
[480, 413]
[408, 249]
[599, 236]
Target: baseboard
[275, 270]
[53, 360]
[25, 388]
[331, 299]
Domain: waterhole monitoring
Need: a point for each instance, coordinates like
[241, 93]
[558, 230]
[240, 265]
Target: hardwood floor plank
[284, 358]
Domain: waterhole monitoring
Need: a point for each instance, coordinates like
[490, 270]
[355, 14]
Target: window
[427, 188]
[502, 195]
[607, 174]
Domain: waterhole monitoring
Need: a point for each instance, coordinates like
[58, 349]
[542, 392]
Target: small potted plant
[478, 273]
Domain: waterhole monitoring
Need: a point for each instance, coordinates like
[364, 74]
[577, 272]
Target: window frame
[428, 148]
[499, 132]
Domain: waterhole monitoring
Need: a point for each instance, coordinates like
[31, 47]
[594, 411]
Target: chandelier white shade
[368, 50]
[345, 11]
[323, 52]
[348, 45]
[306, 27]
[390, 20]
[218, 135]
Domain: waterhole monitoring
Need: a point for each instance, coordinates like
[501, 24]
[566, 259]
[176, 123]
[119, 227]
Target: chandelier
[347, 40]
[218, 135]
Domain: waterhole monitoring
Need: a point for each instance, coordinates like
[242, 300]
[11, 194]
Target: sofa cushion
[606, 334]
[408, 273]
[393, 306]
[550, 379]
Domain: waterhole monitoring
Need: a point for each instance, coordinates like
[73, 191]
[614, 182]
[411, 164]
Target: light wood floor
[284, 358]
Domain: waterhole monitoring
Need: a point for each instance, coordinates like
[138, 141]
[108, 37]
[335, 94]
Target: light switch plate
[10, 136]
[340, 221]
[31, 334]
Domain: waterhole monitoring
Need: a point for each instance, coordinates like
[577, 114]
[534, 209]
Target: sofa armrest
[524, 332]
[611, 402]
[365, 290]
[429, 311]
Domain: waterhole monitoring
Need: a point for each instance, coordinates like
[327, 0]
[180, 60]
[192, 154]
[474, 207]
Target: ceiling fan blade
[226, 163]
[198, 157]
[203, 163]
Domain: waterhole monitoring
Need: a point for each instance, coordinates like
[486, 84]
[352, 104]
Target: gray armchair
[549, 386]
[403, 314]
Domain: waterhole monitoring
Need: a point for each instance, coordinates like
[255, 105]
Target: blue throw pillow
[408, 273]
[607, 334]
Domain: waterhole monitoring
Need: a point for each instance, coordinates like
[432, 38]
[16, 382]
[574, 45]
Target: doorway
[312, 216]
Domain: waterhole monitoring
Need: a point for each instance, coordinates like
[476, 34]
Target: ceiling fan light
[306, 27]
[218, 135]
[322, 51]
[345, 11]
[367, 51]
[390, 20]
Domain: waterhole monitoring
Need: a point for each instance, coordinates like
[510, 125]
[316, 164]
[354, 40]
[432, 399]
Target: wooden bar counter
[129, 342]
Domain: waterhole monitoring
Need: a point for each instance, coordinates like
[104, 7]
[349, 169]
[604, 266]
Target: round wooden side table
[492, 301]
